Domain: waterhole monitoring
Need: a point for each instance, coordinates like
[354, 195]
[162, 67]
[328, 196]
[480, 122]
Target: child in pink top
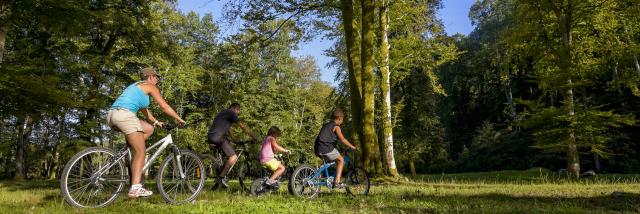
[267, 154]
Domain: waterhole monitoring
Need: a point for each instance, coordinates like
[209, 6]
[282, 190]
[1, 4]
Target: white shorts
[124, 120]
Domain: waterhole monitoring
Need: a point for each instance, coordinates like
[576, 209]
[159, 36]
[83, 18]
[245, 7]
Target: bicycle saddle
[213, 146]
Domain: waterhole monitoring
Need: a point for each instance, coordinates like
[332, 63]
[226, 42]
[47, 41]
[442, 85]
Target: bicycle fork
[178, 155]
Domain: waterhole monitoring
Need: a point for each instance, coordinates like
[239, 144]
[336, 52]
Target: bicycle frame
[162, 144]
[238, 155]
[325, 169]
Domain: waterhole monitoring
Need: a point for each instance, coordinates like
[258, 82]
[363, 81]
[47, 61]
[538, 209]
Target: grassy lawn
[532, 191]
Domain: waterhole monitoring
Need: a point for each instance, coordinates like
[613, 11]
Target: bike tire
[241, 174]
[298, 182]
[192, 186]
[119, 177]
[212, 165]
[257, 187]
[357, 182]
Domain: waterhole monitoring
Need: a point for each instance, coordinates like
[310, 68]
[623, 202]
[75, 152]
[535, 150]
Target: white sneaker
[139, 192]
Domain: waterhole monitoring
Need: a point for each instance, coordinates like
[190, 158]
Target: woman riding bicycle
[122, 115]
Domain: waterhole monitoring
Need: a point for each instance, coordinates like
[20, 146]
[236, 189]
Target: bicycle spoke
[177, 189]
[172, 188]
[77, 181]
[81, 188]
[91, 193]
[85, 187]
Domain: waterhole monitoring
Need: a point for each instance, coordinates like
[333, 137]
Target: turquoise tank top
[132, 99]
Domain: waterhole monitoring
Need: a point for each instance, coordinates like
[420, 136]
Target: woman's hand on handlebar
[159, 124]
[180, 122]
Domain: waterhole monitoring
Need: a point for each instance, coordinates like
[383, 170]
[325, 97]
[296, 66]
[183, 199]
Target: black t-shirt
[325, 139]
[222, 123]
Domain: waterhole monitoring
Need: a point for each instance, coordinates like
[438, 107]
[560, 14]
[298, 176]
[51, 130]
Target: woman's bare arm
[164, 106]
[150, 118]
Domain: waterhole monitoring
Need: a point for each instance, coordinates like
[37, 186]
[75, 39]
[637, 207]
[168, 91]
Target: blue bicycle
[306, 181]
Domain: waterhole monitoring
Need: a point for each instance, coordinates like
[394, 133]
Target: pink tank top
[266, 152]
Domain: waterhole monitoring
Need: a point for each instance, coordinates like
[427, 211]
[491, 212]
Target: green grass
[531, 176]
[495, 192]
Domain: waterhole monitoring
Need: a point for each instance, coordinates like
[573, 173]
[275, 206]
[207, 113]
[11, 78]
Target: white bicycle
[94, 177]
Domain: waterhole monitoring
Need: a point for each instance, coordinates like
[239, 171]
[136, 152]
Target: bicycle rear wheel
[177, 190]
[302, 183]
[246, 170]
[212, 165]
[241, 172]
[93, 178]
[257, 187]
[357, 182]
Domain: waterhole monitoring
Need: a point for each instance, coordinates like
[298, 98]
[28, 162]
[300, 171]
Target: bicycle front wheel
[358, 182]
[257, 187]
[303, 183]
[93, 178]
[178, 189]
[245, 171]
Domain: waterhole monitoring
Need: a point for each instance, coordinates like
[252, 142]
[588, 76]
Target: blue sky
[454, 16]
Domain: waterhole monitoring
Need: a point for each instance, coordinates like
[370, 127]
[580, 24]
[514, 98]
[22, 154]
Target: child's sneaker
[273, 186]
[339, 185]
[139, 192]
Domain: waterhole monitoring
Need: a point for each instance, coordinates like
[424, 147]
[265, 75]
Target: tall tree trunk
[54, 162]
[371, 151]
[507, 88]
[635, 61]
[55, 152]
[596, 163]
[412, 167]
[564, 14]
[5, 12]
[573, 160]
[352, 41]
[387, 131]
[635, 56]
[512, 106]
[23, 133]
[7, 167]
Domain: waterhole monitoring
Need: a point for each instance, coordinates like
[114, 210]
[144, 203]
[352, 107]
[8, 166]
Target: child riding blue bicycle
[306, 181]
[323, 147]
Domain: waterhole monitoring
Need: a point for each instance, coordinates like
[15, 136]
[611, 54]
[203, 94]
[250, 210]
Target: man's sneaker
[139, 192]
[338, 185]
[222, 181]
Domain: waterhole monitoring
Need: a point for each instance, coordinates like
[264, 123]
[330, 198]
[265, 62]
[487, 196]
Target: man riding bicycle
[220, 136]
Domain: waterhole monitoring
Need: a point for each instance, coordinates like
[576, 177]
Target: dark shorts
[222, 143]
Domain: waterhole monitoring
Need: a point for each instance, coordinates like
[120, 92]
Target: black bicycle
[243, 170]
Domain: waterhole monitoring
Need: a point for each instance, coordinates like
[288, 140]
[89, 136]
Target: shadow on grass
[533, 175]
[495, 202]
[13, 186]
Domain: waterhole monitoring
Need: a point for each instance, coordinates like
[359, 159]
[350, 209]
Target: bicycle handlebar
[169, 127]
[243, 142]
